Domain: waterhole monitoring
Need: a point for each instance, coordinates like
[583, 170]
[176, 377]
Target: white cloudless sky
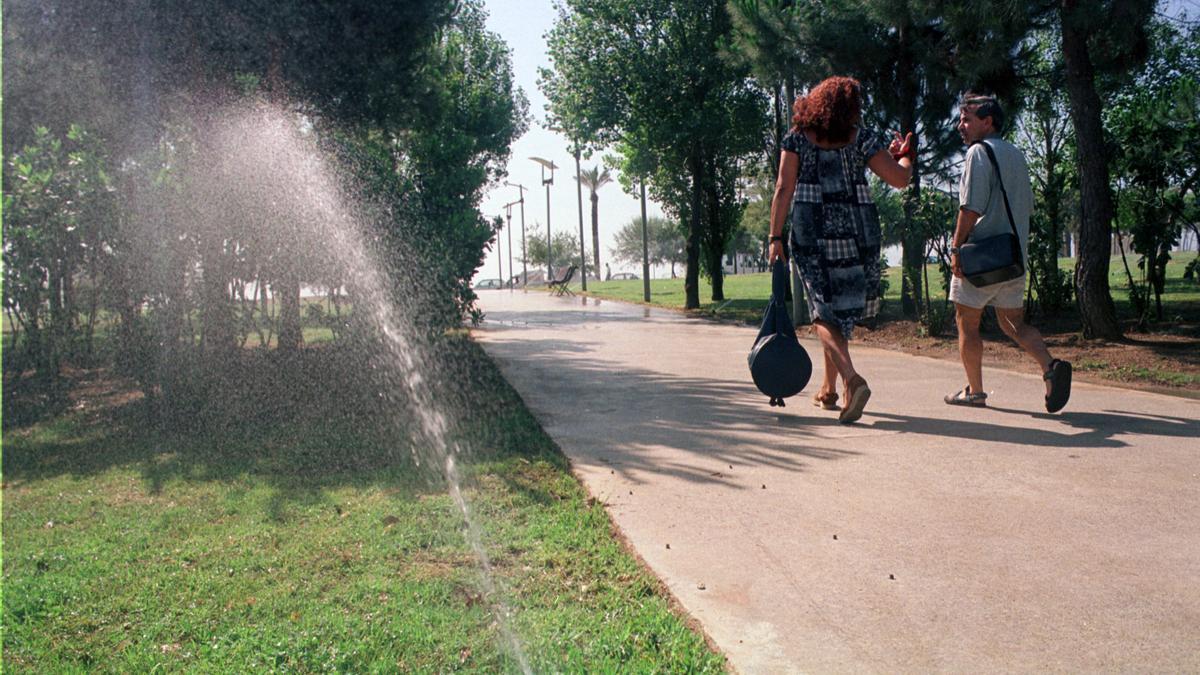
[523, 25]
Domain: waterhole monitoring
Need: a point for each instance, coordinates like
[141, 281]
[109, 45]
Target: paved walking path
[924, 538]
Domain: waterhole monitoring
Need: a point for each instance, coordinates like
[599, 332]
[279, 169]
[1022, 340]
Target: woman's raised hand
[903, 147]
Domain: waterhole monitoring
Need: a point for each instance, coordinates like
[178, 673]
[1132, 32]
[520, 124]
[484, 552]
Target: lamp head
[546, 164]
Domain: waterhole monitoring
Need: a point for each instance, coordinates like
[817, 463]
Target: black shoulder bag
[779, 364]
[995, 259]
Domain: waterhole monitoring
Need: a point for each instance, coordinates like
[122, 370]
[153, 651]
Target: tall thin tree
[594, 179]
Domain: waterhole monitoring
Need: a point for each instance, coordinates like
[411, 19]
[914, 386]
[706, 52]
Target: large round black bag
[778, 363]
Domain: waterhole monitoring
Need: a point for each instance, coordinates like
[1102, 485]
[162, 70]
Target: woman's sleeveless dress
[835, 237]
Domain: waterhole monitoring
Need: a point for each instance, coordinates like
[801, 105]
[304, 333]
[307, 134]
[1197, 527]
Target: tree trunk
[56, 339]
[1096, 309]
[596, 232]
[691, 282]
[779, 129]
[287, 293]
[1049, 288]
[265, 314]
[35, 338]
[912, 257]
[70, 326]
[218, 335]
[718, 233]
[93, 313]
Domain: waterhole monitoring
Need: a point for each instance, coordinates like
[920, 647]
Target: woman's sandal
[857, 394]
[826, 401]
[1059, 377]
[965, 397]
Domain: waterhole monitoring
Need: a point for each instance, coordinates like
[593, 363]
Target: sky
[523, 25]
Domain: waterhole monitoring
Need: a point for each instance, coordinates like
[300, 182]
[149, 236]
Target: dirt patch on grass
[1165, 361]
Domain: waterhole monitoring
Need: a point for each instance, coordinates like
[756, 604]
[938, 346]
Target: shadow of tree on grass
[335, 418]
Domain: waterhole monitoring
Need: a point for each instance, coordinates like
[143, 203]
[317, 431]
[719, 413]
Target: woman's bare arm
[781, 203]
[893, 172]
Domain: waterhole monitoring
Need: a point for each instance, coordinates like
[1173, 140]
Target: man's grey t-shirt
[979, 191]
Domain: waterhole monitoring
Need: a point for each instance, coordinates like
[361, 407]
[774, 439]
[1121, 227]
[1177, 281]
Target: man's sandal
[857, 393]
[1059, 377]
[965, 397]
[826, 401]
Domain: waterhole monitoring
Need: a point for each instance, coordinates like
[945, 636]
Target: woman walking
[835, 235]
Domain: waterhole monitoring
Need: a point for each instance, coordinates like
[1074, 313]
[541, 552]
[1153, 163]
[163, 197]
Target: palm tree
[594, 179]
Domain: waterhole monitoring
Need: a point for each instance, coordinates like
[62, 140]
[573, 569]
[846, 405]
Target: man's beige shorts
[1007, 295]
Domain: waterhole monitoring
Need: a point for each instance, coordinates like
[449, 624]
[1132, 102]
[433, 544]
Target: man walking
[983, 213]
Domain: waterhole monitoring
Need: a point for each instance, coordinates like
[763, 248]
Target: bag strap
[779, 283]
[1008, 209]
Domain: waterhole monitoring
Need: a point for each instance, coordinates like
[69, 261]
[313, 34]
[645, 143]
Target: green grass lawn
[296, 533]
[746, 294]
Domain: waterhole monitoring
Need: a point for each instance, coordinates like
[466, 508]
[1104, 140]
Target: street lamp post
[508, 214]
[499, 257]
[524, 255]
[579, 196]
[645, 247]
[548, 164]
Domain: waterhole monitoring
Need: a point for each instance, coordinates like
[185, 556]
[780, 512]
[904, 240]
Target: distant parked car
[624, 276]
[485, 284]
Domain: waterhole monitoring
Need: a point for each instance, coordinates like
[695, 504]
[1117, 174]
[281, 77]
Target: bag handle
[1003, 193]
[779, 283]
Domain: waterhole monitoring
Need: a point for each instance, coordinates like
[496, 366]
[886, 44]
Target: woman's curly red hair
[831, 110]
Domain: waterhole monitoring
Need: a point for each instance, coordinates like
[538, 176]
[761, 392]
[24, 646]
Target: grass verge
[1164, 357]
[304, 537]
[746, 294]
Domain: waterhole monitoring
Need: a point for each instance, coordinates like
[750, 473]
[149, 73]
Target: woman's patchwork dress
[835, 237]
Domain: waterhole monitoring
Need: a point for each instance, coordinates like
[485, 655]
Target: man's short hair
[984, 104]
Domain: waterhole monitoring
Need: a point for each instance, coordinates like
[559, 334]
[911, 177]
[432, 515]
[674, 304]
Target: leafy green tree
[1045, 134]
[564, 249]
[1155, 120]
[57, 214]
[352, 60]
[760, 28]
[665, 243]
[132, 70]
[458, 143]
[1107, 36]
[756, 217]
[650, 78]
[416, 98]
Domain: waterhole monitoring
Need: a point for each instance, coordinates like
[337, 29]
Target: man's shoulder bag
[994, 259]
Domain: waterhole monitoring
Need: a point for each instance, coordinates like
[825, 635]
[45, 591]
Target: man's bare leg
[1012, 322]
[970, 345]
